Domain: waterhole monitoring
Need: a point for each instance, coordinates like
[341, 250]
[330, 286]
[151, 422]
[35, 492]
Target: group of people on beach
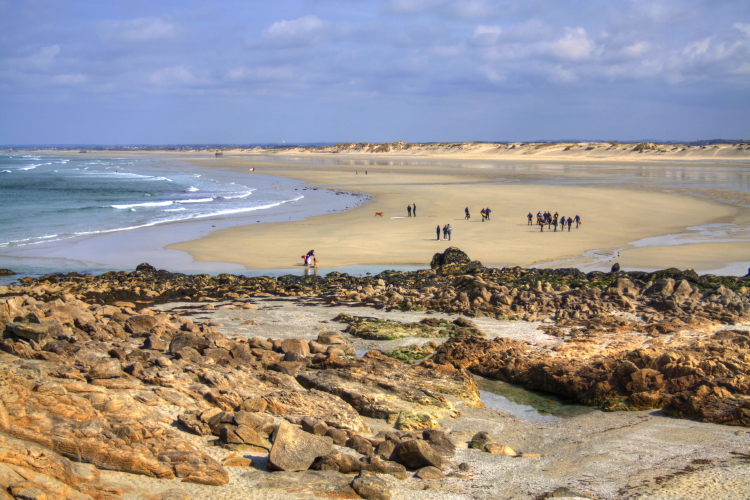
[485, 212]
[551, 221]
[411, 209]
[447, 230]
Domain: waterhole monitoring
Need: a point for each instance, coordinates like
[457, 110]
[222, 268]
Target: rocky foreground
[96, 376]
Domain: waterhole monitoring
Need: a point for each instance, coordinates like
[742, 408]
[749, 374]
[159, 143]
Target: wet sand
[614, 214]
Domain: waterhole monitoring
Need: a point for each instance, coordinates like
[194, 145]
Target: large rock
[451, 257]
[92, 424]
[38, 332]
[295, 450]
[315, 404]
[297, 346]
[440, 442]
[329, 337]
[188, 340]
[371, 487]
[107, 368]
[339, 462]
[140, 324]
[416, 454]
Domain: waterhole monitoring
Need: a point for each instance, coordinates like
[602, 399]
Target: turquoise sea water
[47, 198]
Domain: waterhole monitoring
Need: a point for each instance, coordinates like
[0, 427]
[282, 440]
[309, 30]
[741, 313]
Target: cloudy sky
[196, 71]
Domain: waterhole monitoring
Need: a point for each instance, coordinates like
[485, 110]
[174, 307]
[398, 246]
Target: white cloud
[574, 46]
[697, 48]
[486, 35]
[72, 79]
[745, 28]
[263, 73]
[472, 9]
[173, 75]
[636, 49]
[306, 29]
[45, 56]
[138, 30]
[558, 74]
[493, 75]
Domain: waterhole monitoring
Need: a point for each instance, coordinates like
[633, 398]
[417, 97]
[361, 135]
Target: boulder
[140, 324]
[243, 434]
[339, 462]
[328, 337]
[385, 449]
[359, 444]
[295, 450]
[260, 422]
[371, 487]
[156, 343]
[416, 454]
[439, 442]
[314, 426]
[381, 466]
[339, 437]
[298, 346]
[254, 405]
[451, 255]
[108, 368]
[429, 472]
[145, 267]
[188, 341]
[38, 332]
[480, 440]
[191, 421]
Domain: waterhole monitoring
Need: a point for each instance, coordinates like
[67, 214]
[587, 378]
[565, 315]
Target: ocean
[47, 198]
[92, 213]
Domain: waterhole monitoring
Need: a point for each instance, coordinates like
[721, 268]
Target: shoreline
[212, 245]
[399, 180]
[125, 248]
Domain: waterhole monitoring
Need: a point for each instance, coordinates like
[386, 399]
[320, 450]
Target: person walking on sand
[438, 232]
[483, 214]
[562, 223]
[449, 229]
[530, 216]
[414, 209]
[570, 222]
[408, 210]
[445, 232]
[466, 212]
[554, 223]
[487, 211]
[541, 225]
[578, 221]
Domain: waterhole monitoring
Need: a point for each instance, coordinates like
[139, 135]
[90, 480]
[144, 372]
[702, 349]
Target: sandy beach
[616, 211]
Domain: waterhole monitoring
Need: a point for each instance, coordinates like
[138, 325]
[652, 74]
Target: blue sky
[131, 71]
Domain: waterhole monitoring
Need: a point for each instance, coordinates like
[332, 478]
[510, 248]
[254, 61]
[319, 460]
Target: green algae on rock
[384, 329]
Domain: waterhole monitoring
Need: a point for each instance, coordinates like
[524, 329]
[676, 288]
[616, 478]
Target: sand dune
[539, 150]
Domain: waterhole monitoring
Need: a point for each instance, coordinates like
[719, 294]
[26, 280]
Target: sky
[310, 71]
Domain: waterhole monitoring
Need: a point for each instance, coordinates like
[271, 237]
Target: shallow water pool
[525, 404]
